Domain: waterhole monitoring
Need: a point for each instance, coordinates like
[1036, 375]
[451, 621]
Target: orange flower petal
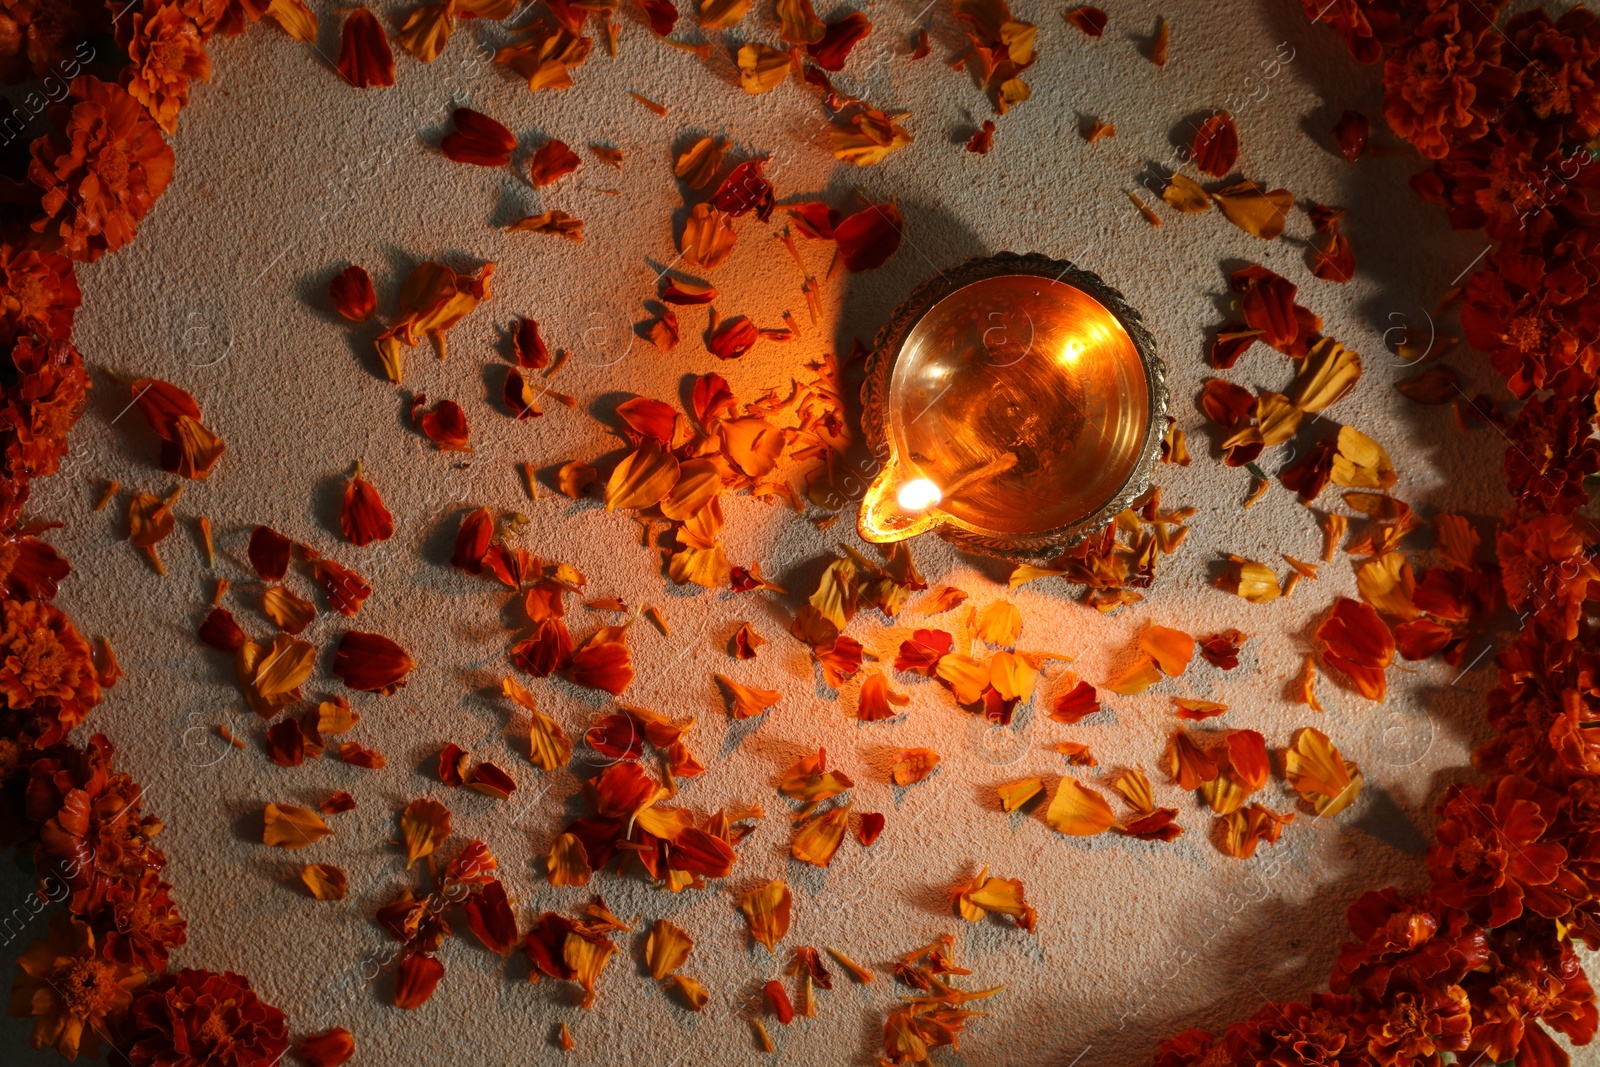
[324, 881]
[767, 910]
[423, 825]
[287, 826]
[1079, 811]
[913, 765]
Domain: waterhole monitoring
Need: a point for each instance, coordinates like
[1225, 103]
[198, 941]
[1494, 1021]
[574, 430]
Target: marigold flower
[1490, 855]
[201, 1017]
[1533, 315]
[142, 923]
[43, 658]
[1550, 451]
[1405, 944]
[103, 173]
[1444, 83]
[39, 294]
[74, 993]
[166, 51]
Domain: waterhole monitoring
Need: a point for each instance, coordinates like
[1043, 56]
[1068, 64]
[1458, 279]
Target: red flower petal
[269, 553]
[371, 663]
[472, 541]
[417, 977]
[364, 518]
[870, 236]
[366, 60]
[221, 632]
[841, 36]
[1216, 145]
[478, 140]
[352, 295]
[552, 161]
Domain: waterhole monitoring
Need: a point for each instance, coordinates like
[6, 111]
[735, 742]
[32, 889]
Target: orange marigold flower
[103, 173]
[194, 1017]
[43, 658]
[73, 993]
[39, 294]
[50, 393]
[165, 53]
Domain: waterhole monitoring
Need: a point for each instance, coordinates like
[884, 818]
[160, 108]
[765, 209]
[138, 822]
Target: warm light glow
[919, 494]
[1071, 351]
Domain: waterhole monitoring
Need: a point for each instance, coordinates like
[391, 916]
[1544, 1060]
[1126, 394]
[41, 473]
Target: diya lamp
[1014, 404]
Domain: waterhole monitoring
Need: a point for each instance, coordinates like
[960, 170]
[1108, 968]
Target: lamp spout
[897, 506]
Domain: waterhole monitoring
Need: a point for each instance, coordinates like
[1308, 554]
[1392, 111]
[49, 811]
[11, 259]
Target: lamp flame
[919, 494]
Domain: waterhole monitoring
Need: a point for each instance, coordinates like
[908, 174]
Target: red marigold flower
[1550, 451]
[1534, 316]
[1403, 944]
[1412, 1029]
[74, 993]
[1490, 857]
[1545, 565]
[1324, 1033]
[43, 659]
[91, 833]
[43, 38]
[1563, 81]
[166, 51]
[202, 1017]
[1444, 83]
[142, 924]
[50, 393]
[1510, 183]
[39, 295]
[103, 173]
[1531, 977]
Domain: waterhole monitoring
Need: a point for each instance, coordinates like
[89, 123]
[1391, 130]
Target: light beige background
[285, 174]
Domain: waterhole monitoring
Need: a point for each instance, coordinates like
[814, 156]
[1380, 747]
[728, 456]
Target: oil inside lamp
[1016, 406]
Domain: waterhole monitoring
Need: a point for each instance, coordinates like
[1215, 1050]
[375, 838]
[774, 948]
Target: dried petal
[365, 59]
[363, 518]
[1216, 145]
[913, 765]
[371, 663]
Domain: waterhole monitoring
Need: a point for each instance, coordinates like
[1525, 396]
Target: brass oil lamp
[1014, 404]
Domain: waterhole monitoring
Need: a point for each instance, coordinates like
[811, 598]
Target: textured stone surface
[285, 174]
